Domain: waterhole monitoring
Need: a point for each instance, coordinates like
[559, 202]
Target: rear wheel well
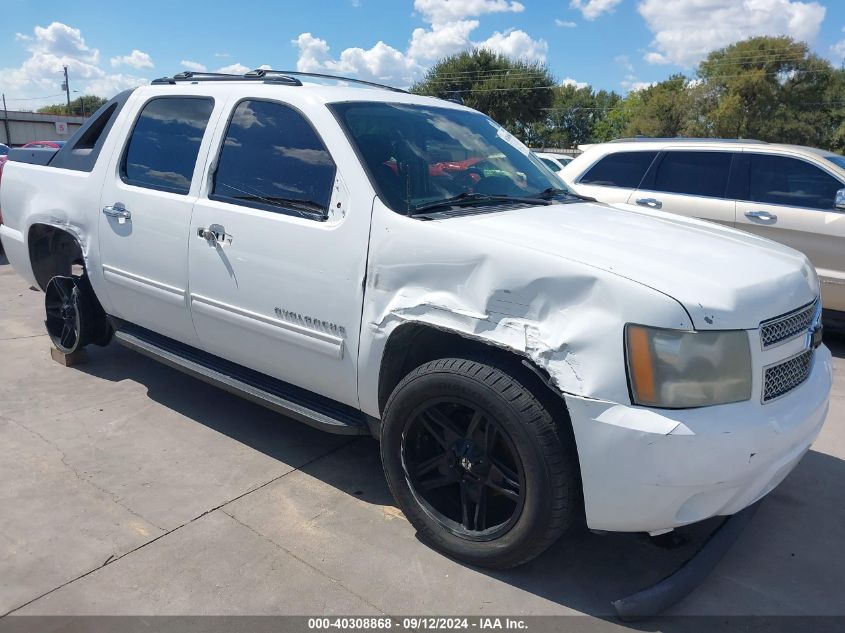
[52, 252]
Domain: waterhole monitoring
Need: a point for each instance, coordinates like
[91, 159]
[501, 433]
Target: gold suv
[787, 193]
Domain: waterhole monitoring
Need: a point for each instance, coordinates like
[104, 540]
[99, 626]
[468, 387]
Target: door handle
[117, 210]
[761, 215]
[651, 203]
[214, 235]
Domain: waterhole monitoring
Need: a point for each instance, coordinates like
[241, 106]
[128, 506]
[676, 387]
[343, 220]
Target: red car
[43, 145]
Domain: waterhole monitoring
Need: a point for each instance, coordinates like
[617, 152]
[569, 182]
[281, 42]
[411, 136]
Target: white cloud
[569, 81]
[51, 48]
[591, 9]
[449, 31]
[625, 62]
[516, 44]
[379, 63]
[566, 24]
[441, 41]
[632, 84]
[686, 30]
[223, 55]
[838, 50]
[234, 69]
[441, 11]
[136, 59]
[194, 66]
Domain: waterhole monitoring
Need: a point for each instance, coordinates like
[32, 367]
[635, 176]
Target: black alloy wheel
[65, 305]
[478, 464]
[463, 469]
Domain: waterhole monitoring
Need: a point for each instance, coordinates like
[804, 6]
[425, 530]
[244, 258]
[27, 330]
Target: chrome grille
[785, 327]
[782, 378]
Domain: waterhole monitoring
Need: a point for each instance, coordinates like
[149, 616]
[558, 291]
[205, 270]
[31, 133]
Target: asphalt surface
[128, 488]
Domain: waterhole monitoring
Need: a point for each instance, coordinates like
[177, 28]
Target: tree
[770, 88]
[85, 105]
[575, 114]
[663, 110]
[516, 94]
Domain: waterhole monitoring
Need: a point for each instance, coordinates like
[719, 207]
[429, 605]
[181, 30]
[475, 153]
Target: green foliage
[516, 94]
[769, 88]
[85, 105]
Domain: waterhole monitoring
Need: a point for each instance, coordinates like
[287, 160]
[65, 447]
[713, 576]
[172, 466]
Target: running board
[295, 402]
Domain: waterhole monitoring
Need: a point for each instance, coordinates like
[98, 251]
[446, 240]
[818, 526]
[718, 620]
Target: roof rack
[685, 139]
[193, 77]
[286, 77]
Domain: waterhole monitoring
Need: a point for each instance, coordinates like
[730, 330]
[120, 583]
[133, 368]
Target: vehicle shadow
[584, 571]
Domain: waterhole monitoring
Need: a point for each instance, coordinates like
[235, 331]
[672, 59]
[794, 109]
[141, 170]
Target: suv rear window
[162, 151]
[622, 169]
[694, 173]
[791, 182]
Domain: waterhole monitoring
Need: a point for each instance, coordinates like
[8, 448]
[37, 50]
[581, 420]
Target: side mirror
[839, 201]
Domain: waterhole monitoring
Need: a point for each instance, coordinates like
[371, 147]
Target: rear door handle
[117, 210]
[651, 203]
[761, 215]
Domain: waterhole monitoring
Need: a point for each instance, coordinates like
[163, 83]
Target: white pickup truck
[370, 261]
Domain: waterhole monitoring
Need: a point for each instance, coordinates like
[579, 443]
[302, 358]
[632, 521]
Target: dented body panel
[554, 285]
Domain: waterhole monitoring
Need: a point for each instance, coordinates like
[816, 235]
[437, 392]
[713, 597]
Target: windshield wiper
[551, 192]
[466, 198]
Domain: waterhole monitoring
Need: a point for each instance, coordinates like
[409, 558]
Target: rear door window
[162, 150]
[273, 159]
[622, 169]
[694, 173]
[791, 182]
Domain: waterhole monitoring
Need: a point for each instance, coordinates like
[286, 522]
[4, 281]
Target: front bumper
[649, 470]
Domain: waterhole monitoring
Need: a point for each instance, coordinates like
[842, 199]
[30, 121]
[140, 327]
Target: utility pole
[6, 122]
[67, 91]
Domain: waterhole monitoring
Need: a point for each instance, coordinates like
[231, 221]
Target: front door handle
[215, 234]
[117, 210]
[761, 215]
[651, 203]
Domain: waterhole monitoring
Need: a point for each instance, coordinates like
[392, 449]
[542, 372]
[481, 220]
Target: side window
[694, 173]
[273, 159]
[789, 181]
[550, 164]
[162, 151]
[623, 169]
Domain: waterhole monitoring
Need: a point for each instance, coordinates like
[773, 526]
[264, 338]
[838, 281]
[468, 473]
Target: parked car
[524, 357]
[555, 162]
[44, 145]
[790, 194]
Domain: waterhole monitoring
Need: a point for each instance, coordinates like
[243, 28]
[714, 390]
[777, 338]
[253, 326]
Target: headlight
[677, 369]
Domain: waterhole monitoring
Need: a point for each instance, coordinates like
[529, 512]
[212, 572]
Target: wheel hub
[468, 457]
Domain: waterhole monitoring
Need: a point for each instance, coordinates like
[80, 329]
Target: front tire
[477, 464]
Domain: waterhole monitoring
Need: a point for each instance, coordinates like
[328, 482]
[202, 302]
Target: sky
[617, 45]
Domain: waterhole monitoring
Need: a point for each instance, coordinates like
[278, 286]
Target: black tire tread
[560, 466]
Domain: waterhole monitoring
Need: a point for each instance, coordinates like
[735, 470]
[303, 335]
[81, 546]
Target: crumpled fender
[565, 316]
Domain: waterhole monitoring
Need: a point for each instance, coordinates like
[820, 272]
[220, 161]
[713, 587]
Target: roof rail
[287, 77]
[263, 72]
[686, 139]
[191, 76]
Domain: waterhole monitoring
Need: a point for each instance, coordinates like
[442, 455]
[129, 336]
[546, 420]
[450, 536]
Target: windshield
[418, 155]
[836, 159]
